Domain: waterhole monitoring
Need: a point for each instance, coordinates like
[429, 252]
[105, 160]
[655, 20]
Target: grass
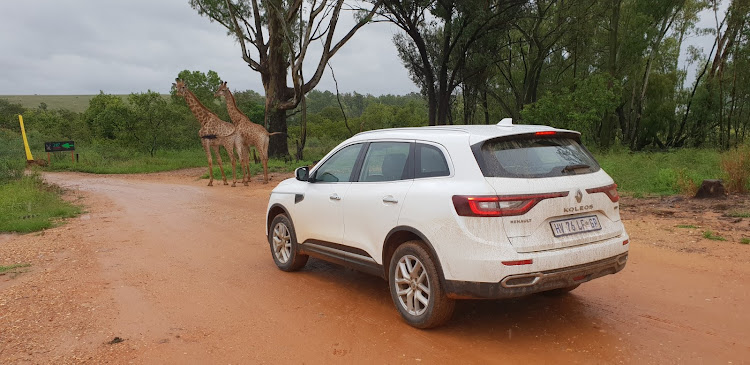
[101, 160]
[4, 269]
[686, 226]
[28, 205]
[659, 173]
[739, 214]
[745, 241]
[122, 161]
[76, 103]
[714, 237]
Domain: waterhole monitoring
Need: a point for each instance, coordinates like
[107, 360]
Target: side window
[431, 162]
[339, 167]
[386, 161]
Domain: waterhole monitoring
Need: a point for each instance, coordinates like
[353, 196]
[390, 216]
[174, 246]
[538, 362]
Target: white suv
[446, 213]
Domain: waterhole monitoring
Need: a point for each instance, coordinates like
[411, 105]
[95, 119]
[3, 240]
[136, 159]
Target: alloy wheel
[282, 243]
[412, 285]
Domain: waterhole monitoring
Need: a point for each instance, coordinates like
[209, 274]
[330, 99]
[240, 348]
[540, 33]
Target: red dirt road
[183, 274]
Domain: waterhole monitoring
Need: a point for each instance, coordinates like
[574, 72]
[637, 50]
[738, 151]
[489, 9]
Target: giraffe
[251, 133]
[214, 132]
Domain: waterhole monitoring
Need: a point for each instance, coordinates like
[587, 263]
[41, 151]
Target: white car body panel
[370, 213]
[321, 217]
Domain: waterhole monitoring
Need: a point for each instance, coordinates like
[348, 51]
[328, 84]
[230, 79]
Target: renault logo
[579, 196]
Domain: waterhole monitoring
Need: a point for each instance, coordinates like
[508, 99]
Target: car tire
[560, 291]
[416, 288]
[283, 242]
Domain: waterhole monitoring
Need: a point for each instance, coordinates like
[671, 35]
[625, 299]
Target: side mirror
[302, 173]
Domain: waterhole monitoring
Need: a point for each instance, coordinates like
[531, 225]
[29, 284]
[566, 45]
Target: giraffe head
[180, 87]
[222, 90]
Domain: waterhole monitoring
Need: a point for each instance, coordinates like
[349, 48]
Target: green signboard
[59, 146]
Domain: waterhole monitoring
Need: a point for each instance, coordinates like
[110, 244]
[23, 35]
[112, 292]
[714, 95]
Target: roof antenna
[506, 122]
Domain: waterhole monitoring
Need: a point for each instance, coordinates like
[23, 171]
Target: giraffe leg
[221, 164]
[265, 169]
[245, 165]
[263, 152]
[207, 148]
[230, 150]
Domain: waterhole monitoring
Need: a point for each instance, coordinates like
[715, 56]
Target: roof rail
[506, 122]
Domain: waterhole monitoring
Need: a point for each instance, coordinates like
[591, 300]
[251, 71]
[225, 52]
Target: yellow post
[29, 157]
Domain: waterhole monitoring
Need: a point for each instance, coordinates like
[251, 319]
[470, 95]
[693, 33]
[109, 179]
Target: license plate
[565, 227]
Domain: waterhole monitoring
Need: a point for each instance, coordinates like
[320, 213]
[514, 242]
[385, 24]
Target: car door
[320, 215]
[375, 199]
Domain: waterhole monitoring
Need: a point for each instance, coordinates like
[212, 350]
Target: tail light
[610, 190]
[499, 206]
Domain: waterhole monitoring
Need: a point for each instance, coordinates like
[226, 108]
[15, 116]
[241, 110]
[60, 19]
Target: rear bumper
[529, 283]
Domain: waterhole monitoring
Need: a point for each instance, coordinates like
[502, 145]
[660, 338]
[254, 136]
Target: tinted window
[535, 157]
[385, 161]
[339, 167]
[432, 163]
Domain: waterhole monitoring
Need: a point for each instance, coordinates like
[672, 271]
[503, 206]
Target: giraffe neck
[196, 107]
[234, 112]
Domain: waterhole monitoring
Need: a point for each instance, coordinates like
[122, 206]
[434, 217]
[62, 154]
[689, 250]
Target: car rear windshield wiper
[570, 168]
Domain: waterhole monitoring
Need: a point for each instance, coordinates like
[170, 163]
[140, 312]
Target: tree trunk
[678, 138]
[277, 146]
[608, 122]
[303, 130]
[432, 99]
[274, 82]
[665, 25]
[443, 107]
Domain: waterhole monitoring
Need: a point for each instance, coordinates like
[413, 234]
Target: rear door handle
[334, 196]
[390, 199]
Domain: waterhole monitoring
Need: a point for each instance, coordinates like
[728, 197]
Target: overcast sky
[124, 46]
[83, 46]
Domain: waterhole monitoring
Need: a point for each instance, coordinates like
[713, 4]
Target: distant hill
[76, 103]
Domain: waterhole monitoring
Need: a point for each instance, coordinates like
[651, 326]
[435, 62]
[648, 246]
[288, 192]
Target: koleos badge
[579, 196]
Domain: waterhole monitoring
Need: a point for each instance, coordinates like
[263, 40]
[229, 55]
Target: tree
[544, 43]
[280, 33]
[106, 115]
[251, 103]
[203, 85]
[151, 125]
[440, 36]
[9, 114]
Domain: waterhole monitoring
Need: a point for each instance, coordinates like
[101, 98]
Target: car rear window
[534, 157]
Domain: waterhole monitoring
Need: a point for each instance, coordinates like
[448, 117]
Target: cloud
[83, 46]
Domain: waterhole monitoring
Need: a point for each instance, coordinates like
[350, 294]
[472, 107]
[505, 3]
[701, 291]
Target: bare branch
[329, 51]
[338, 97]
[240, 36]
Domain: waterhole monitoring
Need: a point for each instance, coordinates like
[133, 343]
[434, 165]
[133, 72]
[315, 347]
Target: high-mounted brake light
[610, 190]
[545, 133]
[499, 206]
